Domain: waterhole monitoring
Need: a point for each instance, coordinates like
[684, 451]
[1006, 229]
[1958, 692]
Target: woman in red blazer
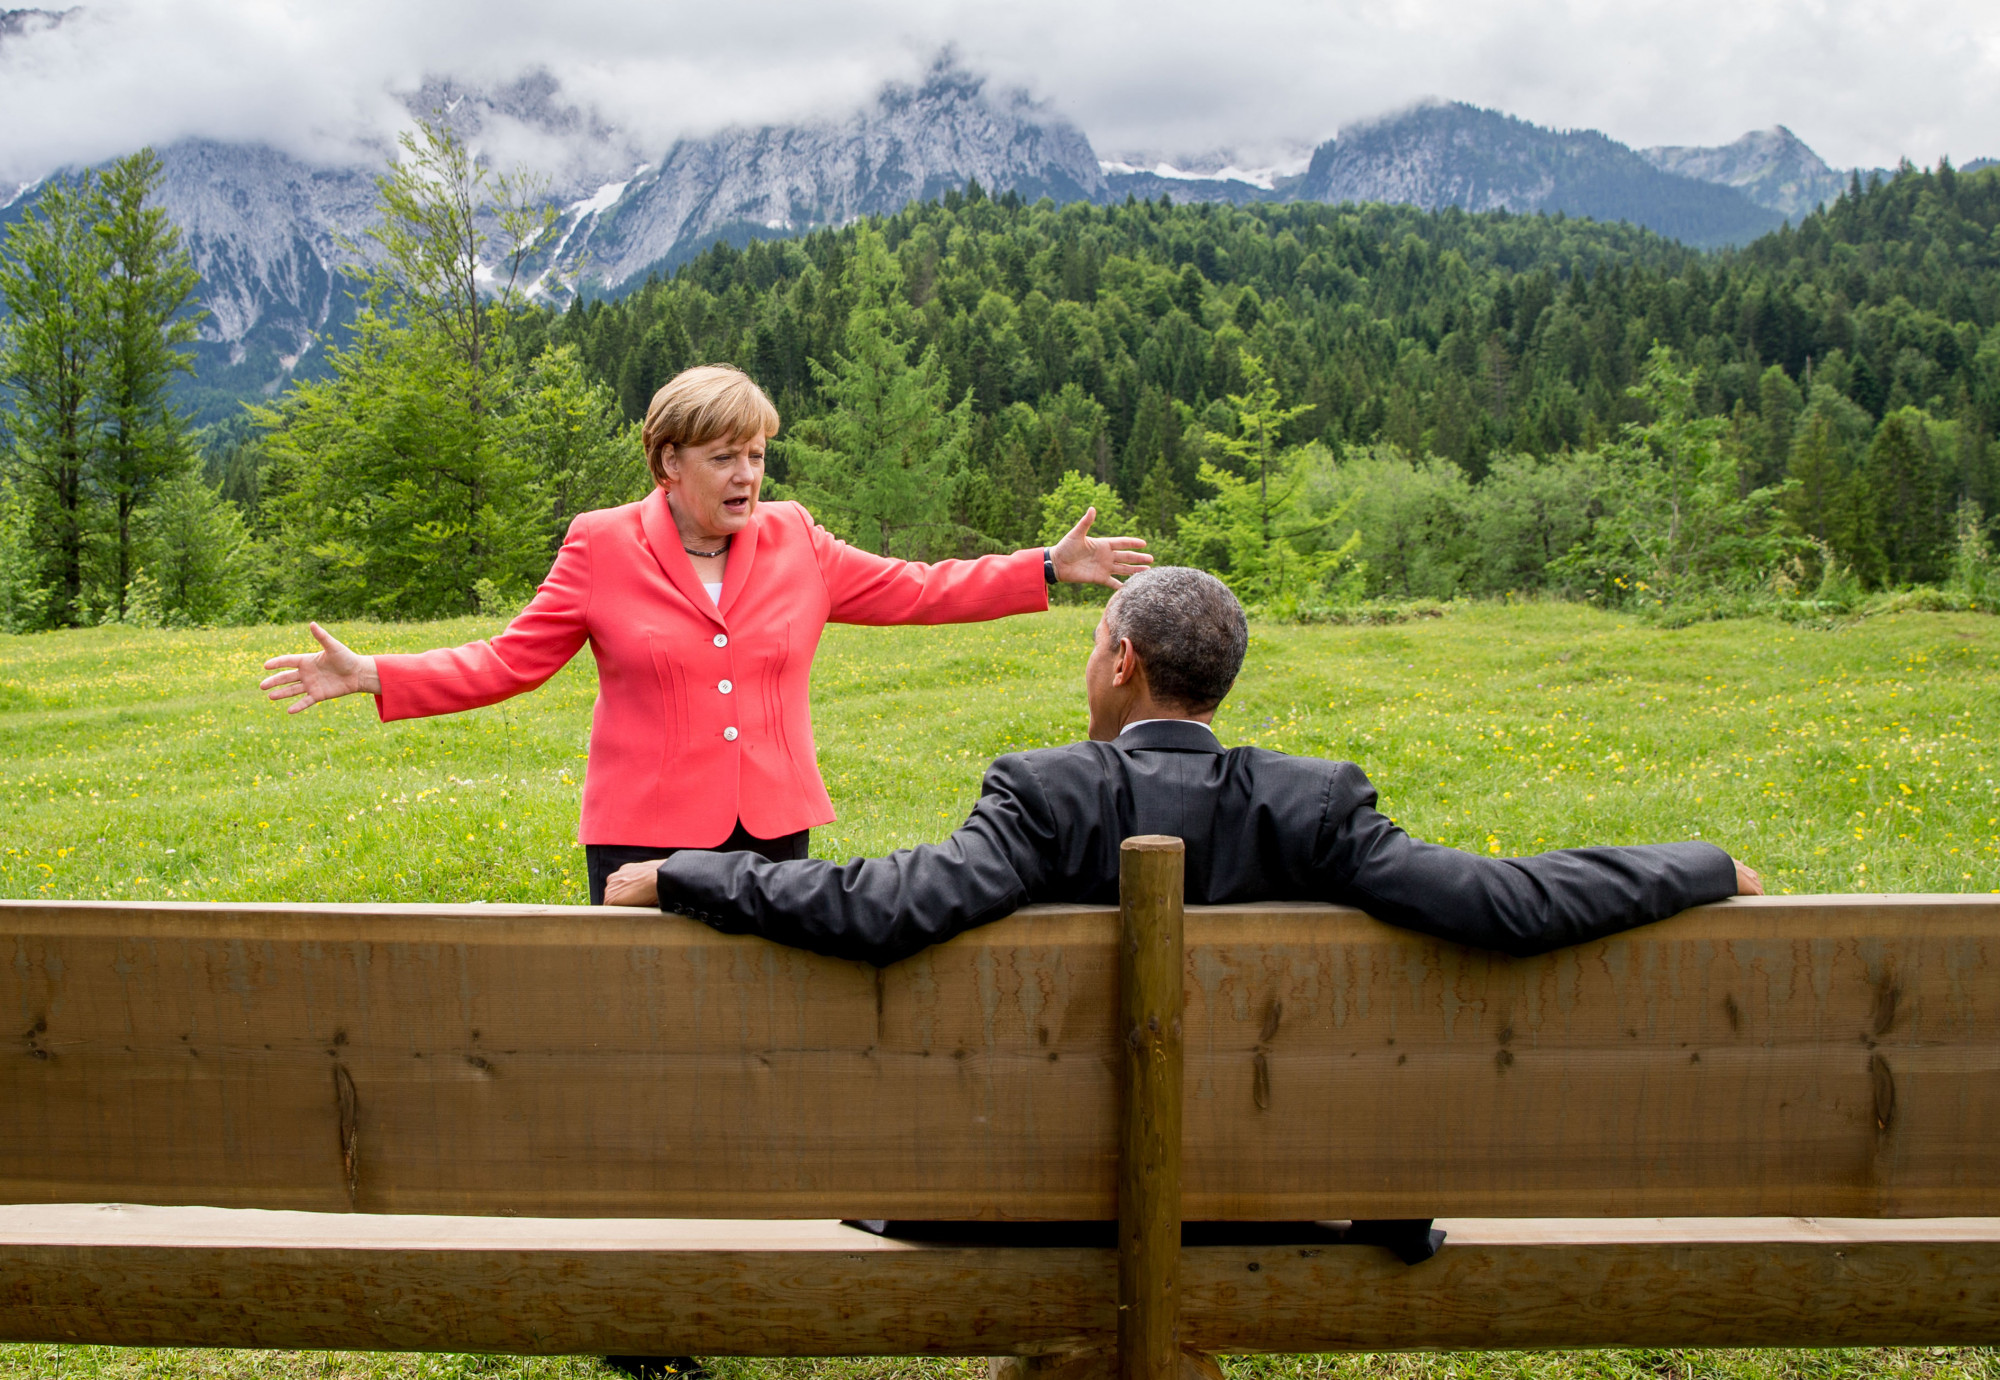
[703, 608]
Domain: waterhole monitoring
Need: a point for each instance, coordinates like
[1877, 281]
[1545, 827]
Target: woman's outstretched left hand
[1082, 559]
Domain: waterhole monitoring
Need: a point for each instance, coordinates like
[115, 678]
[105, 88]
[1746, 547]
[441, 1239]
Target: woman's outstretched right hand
[322, 675]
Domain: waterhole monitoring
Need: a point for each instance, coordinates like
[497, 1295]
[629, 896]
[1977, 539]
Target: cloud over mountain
[1863, 81]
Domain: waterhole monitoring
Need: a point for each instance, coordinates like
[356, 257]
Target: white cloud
[1863, 81]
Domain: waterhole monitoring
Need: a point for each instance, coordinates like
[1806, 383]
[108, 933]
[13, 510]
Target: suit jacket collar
[656, 520]
[1168, 735]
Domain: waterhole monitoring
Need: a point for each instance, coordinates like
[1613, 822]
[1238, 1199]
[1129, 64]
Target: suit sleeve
[1520, 906]
[880, 910]
[866, 588]
[538, 643]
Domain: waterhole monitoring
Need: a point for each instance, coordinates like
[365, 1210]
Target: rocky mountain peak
[914, 141]
[1446, 153]
[1773, 167]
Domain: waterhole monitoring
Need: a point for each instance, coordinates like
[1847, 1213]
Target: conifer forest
[1329, 406]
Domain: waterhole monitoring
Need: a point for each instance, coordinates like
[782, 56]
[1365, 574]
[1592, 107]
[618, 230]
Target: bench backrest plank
[1823, 1056]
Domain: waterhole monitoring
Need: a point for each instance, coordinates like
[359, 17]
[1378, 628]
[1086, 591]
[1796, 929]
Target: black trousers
[603, 859]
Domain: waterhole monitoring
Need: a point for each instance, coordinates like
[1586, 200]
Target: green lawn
[145, 764]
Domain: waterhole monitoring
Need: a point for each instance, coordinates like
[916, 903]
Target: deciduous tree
[397, 482]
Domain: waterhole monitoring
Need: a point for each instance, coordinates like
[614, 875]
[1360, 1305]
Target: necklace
[720, 550]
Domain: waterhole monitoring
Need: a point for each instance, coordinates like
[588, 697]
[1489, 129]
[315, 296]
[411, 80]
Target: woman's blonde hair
[706, 403]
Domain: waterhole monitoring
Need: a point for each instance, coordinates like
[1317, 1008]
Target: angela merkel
[703, 608]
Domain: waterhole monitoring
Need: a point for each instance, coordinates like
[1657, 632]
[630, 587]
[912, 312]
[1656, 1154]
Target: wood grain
[1150, 999]
[1835, 1056]
[202, 1277]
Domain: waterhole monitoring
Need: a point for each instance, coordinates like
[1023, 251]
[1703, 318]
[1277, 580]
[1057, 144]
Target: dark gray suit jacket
[1259, 826]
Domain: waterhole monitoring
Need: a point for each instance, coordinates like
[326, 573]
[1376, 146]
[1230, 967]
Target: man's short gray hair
[1188, 630]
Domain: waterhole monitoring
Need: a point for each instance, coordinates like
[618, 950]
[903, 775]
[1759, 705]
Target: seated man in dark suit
[1258, 826]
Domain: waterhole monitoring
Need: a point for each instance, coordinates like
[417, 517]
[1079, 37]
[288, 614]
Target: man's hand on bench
[638, 884]
[1748, 883]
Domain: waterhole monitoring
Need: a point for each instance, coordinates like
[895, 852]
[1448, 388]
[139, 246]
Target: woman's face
[714, 485]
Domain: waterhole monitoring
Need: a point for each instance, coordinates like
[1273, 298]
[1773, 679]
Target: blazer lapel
[656, 520]
[742, 554]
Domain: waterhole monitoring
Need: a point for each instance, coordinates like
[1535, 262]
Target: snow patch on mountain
[1262, 178]
[1267, 170]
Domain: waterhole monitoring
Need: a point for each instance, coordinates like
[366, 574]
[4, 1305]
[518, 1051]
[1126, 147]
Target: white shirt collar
[1137, 722]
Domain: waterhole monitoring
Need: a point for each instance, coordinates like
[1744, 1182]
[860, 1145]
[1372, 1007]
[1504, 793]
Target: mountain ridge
[1438, 154]
[271, 233]
[1774, 167]
[915, 142]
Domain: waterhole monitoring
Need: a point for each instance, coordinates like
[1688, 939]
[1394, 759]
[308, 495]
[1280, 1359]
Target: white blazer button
[728, 735]
[725, 687]
[722, 639]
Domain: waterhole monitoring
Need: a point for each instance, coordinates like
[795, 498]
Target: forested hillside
[1320, 403]
[1463, 336]
[1104, 341]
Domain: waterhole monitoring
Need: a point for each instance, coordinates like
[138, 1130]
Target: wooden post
[1150, 878]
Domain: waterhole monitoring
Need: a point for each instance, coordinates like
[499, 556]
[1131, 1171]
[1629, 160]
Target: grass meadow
[146, 764]
[137, 764]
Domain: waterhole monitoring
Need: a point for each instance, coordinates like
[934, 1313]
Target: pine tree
[1256, 532]
[149, 283]
[569, 428]
[1912, 524]
[1157, 513]
[1260, 418]
[197, 554]
[1818, 485]
[1778, 406]
[879, 468]
[52, 363]
[1155, 440]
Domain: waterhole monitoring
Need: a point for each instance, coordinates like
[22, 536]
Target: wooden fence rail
[202, 1277]
[1820, 1056]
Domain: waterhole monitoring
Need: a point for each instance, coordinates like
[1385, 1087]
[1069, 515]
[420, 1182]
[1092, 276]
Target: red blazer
[703, 714]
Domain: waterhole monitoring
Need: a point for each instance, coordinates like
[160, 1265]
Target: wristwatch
[1048, 565]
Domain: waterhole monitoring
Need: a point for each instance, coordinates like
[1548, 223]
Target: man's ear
[1125, 664]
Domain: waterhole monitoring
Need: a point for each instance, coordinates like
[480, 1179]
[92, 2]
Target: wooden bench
[548, 1130]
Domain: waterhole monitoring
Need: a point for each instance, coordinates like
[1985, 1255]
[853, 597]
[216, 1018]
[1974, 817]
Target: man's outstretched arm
[878, 910]
[1519, 906]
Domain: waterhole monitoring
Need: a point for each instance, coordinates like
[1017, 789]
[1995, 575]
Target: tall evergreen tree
[52, 363]
[197, 557]
[1256, 441]
[878, 468]
[149, 282]
[1257, 531]
[1155, 440]
[1912, 522]
[569, 427]
[1819, 487]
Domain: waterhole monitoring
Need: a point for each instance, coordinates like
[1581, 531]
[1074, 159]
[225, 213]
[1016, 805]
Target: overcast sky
[1862, 81]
